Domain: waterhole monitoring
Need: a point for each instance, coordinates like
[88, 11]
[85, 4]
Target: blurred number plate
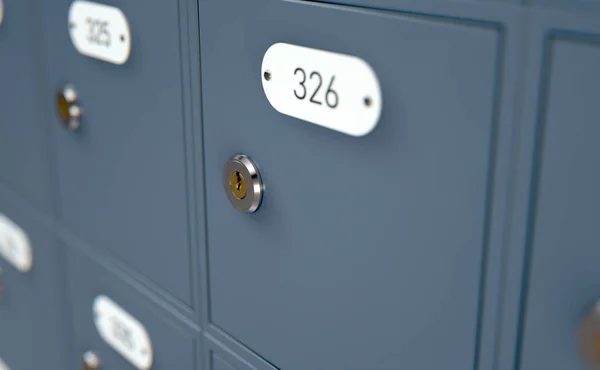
[14, 245]
[336, 91]
[123, 332]
[100, 31]
[3, 366]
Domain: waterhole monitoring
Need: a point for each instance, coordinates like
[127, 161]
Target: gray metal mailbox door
[173, 344]
[32, 302]
[123, 174]
[366, 252]
[563, 244]
[24, 138]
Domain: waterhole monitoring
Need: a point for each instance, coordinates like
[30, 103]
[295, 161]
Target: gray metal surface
[25, 166]
[566, 208]
[363, 249]
[219, 356]
[218, 363]
[560, 242]
[123, 174]
[34, 324]
[459, 234]
[173, 343]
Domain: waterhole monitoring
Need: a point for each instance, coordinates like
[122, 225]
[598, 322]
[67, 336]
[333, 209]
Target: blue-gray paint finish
[33, 319]
[124, 178]
[221, 356]
[564, 5]
[25, 143]
[551, 276]
[218, 363]
[287, 241]
[364, 249]
[174, 345]
[567, 6]
[564, 276]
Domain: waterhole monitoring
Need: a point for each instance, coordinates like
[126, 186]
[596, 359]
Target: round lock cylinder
[243, 184]
[68, 108]
[90, 361]
[589, 338]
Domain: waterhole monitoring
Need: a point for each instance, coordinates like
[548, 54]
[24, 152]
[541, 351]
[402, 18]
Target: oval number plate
[3, 366]
[100, 31]
[123, 332]
[337, 91]
[14, 245]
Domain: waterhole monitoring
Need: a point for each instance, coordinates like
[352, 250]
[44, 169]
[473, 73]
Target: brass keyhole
[237, 184]
[62, 106]
[68, 108]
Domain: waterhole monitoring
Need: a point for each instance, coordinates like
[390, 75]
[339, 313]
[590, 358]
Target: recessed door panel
[123, 169]
[365, 252]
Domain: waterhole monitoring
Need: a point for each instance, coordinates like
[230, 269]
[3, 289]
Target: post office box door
[366, 252]
[173, 344]
[32, 303]
[564, 279]
[123, 173]
[25, 165]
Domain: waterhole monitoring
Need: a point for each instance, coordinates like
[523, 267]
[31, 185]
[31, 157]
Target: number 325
[331, 97]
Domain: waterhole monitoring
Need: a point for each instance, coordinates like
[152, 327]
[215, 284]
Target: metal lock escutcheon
[90, 361]
[243, 184]
[68, 107]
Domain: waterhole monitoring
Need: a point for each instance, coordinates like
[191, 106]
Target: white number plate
[14, 245]
[337, 91]
[100, 31]
[3, 366]
[123, 332]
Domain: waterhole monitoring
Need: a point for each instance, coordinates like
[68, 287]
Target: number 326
[331, 97]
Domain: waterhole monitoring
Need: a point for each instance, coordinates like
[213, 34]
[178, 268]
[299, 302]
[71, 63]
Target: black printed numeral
[331, 96]
[98, 31]
[122, 333]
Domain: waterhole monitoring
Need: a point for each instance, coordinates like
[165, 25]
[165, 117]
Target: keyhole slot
[237, 184]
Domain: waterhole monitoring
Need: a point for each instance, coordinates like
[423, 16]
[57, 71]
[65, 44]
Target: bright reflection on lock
[67, 107]
[90, 361]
